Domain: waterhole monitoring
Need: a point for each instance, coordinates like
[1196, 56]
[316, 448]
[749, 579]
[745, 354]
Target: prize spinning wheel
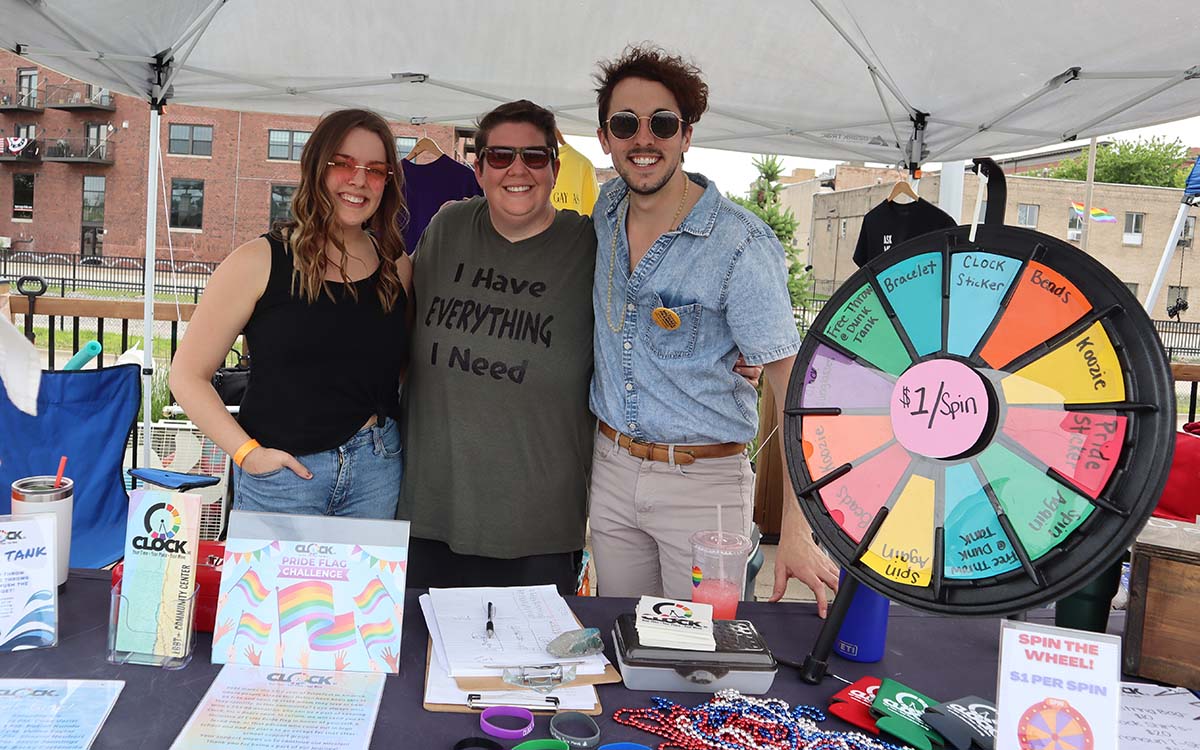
[980, 427]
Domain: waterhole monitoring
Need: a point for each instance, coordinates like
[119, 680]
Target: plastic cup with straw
[713, 581]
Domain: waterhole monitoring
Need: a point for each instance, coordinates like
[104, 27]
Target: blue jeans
[360, 478]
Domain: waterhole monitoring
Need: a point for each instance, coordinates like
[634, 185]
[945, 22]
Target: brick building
[1130, 247]
[78, 185]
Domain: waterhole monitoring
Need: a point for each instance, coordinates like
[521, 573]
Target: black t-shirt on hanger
[891, 223]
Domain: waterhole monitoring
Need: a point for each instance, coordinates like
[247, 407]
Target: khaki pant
[644, 512]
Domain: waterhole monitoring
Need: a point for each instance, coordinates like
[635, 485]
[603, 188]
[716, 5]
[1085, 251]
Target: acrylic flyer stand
[187, 612]
[978, 428]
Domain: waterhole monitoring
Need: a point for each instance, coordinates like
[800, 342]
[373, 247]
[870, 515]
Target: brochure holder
[152, 660]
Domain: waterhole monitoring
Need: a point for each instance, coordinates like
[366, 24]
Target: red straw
[62, 466]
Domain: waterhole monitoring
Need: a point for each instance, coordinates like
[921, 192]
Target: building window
[93, 199]
[404, 144]
[1132, 287]
[1175, 293]
[1074, 226]
[23, 195]
[842, 229]
[190, 140]
[1027, 215]
[1188, 234]
[1134, 223]
[187, 204]
[286, 144]
[281, 202]
[27, 81]
[25, 131]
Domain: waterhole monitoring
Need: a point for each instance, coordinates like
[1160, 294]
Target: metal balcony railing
[20, 150]
[79, 96]
[88, 150]
[22, 98]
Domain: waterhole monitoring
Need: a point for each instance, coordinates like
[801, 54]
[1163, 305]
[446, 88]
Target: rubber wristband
[583, 721]
[543, 744]
[477, 743]
[244, 451]
[509, 734]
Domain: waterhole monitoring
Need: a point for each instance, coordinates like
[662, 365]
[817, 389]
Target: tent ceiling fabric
[783, 79]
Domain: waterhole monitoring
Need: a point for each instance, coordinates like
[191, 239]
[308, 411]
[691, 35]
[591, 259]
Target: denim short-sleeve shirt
[724, 275]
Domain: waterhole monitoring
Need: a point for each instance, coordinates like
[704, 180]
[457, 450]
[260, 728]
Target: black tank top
[319, 370]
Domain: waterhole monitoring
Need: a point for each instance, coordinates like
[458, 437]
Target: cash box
[741, 662]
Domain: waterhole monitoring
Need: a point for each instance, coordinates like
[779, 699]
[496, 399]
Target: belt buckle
[639, 449]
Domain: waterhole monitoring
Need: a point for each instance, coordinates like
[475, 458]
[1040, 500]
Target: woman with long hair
[323, 300]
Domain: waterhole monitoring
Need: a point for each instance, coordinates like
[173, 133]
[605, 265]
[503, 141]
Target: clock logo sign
[162, 521]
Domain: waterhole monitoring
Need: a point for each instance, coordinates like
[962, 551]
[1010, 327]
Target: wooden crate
[1162, 628]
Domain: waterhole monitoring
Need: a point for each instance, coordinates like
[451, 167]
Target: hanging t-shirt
[576, 188]
[428, 186]
[495, 411]
[891, 223]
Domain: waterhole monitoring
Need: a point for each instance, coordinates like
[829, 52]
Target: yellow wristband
[244, 451]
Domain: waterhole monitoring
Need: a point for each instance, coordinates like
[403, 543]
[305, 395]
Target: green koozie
[901, 710]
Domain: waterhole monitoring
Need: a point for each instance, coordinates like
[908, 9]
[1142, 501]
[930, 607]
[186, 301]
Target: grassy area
[111, 342]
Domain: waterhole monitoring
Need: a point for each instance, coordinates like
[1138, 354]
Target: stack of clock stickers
[980, 427]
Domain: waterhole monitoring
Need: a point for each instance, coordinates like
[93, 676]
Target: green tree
[763, 200]
[1155, 162]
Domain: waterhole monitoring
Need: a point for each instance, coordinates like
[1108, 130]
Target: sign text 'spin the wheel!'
[1054, 725]
[979, 428]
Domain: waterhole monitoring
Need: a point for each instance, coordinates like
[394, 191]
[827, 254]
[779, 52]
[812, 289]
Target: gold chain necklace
[612, 257]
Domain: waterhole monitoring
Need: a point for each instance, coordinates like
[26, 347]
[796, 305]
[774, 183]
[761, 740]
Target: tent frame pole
[1168, 253]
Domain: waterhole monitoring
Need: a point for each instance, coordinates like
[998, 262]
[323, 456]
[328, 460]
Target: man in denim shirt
[684, 280]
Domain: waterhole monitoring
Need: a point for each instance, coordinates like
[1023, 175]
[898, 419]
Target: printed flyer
[54, 714]
[1058, 688]
[28, 582]
[309, 592]
[266, 709]
[162, 535]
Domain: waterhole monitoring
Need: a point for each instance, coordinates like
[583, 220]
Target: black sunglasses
[502, 157]
[664, 124]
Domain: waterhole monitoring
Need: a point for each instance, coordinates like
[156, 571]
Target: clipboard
[472, 707]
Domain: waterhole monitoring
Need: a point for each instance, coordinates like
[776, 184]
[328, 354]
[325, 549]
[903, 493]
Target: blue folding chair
[86, 415]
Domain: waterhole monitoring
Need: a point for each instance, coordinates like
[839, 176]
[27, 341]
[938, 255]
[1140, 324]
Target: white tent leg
[148, 285]
[1168, 252]
[1087, 201]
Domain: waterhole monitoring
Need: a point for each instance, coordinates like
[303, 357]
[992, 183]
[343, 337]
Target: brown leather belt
[684, 454]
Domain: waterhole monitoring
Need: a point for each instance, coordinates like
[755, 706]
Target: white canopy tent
[874, 80]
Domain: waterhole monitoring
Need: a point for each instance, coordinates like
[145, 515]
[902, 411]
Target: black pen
[491, 629]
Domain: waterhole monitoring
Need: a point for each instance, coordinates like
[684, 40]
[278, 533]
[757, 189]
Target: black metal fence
[66, 273]
[1180, 338]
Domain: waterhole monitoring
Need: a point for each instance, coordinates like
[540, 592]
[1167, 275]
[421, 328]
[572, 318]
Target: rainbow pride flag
[305, 602]
[371, 596]
[1100, 215]
[252, 586]
[332, 635]
[377, 633]
[253, 628]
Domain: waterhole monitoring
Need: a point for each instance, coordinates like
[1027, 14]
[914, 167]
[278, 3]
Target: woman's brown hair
[311, 224]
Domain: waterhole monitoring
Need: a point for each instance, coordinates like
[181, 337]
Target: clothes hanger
[903, 189]
[425, 145]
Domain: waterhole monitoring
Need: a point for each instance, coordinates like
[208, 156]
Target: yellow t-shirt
[576, 188]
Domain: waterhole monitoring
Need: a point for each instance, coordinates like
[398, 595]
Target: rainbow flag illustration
[252, 586]
[253, 628]
[1100, 215]
[371, 596]
[377, 633]
[334, 634]
[305, 602]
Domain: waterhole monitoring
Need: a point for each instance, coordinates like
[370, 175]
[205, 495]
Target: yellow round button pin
[666, 318]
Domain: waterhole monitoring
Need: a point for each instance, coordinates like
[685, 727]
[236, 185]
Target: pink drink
[721, 594]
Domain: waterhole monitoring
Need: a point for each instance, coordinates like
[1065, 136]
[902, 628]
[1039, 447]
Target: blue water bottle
[863, 635]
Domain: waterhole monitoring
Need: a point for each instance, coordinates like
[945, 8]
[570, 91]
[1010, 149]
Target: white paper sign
[266, 709]
[28, 582]
[54, 714]
[1159, 718]
[1058, 688]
